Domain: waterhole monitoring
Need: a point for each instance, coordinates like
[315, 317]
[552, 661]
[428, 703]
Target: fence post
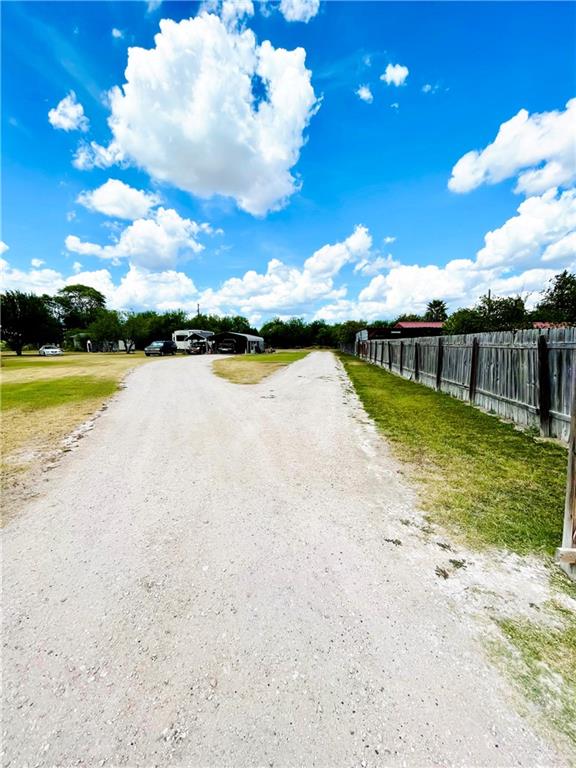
[389, 355]
[382, 355]
[439, 364]
[401, 361]
[543, 386]
[473, 369]
[566, 554]
[416, 361]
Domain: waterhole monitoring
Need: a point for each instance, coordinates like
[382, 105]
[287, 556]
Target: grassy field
[250, 369]
[491, 486]
[489, 483]
[44, 399]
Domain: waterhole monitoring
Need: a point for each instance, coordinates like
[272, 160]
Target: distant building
[405, 329]
[237, 343]
[543, 326]
[420, 327]
[185, 337]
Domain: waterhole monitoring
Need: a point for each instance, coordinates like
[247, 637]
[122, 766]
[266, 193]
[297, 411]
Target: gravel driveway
[207, 581]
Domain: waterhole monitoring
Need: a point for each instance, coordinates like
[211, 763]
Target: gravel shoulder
[208, 579]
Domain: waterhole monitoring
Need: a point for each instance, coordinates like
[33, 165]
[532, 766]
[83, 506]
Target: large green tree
[106, 328]
[507, 313]
[79, 305]
[559, 302]
[235, 323]
[464, 320]
[27, 319]
[346, 332]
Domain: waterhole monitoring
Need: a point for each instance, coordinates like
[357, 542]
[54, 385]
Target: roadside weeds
[499, 493]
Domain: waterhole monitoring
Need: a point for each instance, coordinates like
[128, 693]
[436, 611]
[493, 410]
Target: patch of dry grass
[250, 369]
[35, 368]
[34, 420]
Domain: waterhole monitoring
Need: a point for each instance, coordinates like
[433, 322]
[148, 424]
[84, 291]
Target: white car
[50, 349]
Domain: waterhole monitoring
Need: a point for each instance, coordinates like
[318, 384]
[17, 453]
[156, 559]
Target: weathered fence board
[524, 376]
[566, 554]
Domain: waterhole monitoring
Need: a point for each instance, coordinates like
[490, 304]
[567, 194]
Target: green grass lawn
[12, 362]
[44, 399]
[46, 393]
[486, 481]
[250, 369]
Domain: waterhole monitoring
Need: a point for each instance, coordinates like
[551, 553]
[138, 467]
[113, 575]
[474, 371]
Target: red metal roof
[419, 324]
[539, 324]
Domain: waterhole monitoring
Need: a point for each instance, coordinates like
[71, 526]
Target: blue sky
[251, 177]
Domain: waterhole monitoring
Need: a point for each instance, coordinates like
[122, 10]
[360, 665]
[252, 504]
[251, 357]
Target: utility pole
[197, 310]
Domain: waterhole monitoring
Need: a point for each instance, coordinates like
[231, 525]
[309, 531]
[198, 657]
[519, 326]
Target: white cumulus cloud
[230, 11]
[329, 260]
[3, 247]
[408, 288]
[538, 148]
[365, 94]
[93, 155]
[34, 280]
[543, 223]
[69, 115]
[117, 33]
[154, 243]
[395, 74]
[36, 263]
[299, 10]
[114, 198]
[138, 289]
[371, 267]
[284, 289]
[517, 258]
[212, 112]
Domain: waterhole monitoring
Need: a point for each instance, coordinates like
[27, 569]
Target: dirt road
[207, 581]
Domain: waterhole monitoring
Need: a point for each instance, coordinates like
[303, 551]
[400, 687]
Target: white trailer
[184, 338]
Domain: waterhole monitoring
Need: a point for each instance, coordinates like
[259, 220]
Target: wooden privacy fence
[524, 376]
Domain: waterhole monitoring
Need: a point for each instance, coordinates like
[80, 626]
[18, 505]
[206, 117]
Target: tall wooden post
[401, 361]
[389, 356]
[473, 369]
[439, 363]
[566, 554]
[543, 386]
[416, 361]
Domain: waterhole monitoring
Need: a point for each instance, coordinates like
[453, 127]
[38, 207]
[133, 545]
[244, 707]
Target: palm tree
[436, 310]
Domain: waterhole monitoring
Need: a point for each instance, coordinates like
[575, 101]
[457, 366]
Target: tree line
[80, 311]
